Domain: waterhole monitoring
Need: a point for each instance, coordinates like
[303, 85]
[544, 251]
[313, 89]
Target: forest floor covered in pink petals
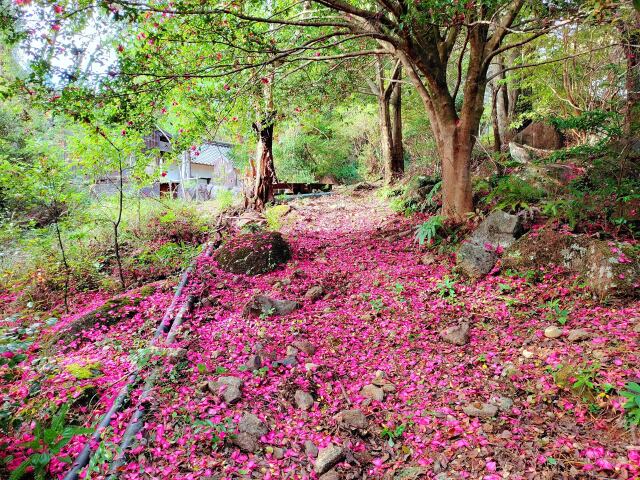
[511, 403]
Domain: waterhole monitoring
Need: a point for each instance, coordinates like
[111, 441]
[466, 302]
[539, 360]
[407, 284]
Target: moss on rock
[253, 253]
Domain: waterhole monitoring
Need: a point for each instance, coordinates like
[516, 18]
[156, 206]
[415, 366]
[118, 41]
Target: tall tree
[181, 41]
[388, 94]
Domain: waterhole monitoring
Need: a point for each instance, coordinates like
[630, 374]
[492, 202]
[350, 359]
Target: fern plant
[46, 444]
[632, 407]
[428, 230]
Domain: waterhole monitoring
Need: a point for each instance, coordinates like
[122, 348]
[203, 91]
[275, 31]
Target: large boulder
[540, 135]
[478, 255]
[541, 248]
[253, 253]
[610, 269]
[263, 305]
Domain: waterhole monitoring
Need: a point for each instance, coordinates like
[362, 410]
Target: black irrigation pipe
[165, 326]
[135, 424]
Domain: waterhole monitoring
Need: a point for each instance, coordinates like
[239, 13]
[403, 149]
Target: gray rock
[252, 425]
[254, 362]
[499, 229]
[291, 350]
[328, 458]
[353, 419]
[246, 442]
[231, 381]
[481, 410]
[552, 331]
[504, 404]
[456, 334]
[304, 400]
[314, 293]
[578, 335]
[372, 392]
[310, 449]
[519, 153]
[475, 260]
[287, 361]
[305, 346]
[263, 305]
[228, 388]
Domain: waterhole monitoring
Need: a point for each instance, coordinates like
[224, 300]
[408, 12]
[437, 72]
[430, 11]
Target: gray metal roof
[211, 153]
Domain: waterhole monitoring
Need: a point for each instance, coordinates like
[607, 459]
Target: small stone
[372, 392]
[427, 259]
[254, 362]
[278, 453]
[290, 360]
[504, 404]
[228, 388]
[578, 335]
[304, 400]
[527, 354]
[314, 293]
[305, 346]
[231, 395]
[328, 458]
[251, 424]
[291, 350]
[311, 367]
[457, 334]
[310, 449]
[231, 381]
[481, 410]
[388, 388]
[353, 419]
[552, 332]
[246, 442]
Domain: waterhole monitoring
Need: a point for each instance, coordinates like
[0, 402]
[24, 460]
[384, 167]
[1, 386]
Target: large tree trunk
[390, 120]
[455, 148]
[265, 177]
[386, 138]
[397, 154]
[504, 102]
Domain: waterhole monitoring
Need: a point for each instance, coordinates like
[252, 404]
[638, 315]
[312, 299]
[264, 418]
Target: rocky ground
[364, 356]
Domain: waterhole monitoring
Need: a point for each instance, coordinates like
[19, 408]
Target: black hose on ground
[82, 460]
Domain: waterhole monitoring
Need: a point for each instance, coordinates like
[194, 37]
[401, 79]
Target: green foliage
[392, 434]
[606, 125]
[512, 193]
[275, 215]
[556, 313]
[47, 443]
[447, 288]
[632, 406]
[218, 430]
[427, 231]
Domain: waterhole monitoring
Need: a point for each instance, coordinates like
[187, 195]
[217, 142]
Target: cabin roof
[211, 153]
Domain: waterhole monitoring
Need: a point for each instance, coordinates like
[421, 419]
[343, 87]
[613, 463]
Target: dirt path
[490, 409]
